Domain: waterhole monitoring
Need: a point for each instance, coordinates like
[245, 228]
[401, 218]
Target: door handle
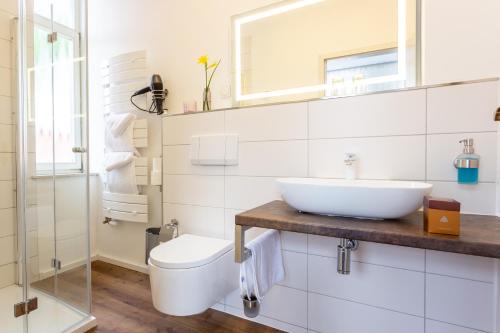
[79, 150]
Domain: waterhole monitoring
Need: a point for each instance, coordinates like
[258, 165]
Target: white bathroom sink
[356, 198]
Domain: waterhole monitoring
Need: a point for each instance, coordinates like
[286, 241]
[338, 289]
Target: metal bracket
[79, 150]
[240, 252]
[23, 308]
[55, 263]
[52, 38]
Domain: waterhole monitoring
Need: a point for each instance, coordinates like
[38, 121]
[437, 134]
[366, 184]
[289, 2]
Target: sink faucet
[350, 160]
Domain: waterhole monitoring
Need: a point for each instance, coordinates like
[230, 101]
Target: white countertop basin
[372, 199]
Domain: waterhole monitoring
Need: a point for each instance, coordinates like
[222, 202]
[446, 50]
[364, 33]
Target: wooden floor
[121, 302]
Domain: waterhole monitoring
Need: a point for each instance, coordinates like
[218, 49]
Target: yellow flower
[203, 60]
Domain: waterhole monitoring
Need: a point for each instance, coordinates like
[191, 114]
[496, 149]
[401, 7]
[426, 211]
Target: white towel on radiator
[119, 135]
[120, 173]
[264, 268]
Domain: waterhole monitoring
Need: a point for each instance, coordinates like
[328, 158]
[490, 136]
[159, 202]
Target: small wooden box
[442, 216]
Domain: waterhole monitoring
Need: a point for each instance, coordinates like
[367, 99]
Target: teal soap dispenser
[467, 164]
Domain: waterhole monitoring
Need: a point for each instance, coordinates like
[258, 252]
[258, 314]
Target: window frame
[73, 34]
[379, 50]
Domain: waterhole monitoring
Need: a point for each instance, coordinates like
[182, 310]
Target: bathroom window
[362, 72]
[56, 91]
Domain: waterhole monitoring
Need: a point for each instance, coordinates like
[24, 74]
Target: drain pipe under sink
[344, 255]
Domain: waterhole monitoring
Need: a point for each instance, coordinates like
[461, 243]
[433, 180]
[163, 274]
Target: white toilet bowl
[189, 274]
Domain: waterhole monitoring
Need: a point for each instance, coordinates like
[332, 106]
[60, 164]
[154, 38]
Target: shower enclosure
[45, 264]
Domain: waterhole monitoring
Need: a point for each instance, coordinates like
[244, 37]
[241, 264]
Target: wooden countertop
[479, 235]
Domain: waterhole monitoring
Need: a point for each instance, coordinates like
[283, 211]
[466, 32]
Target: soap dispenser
[467, 163]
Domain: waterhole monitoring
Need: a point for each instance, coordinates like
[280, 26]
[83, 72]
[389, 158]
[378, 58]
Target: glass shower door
[57, 181]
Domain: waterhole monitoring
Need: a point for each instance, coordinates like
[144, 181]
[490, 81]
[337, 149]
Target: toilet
[190, 273]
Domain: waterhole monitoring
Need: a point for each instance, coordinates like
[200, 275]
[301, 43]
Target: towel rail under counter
[241, 253]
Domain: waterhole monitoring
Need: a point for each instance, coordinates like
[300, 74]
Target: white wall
[460, 40]
[410, 135]
[8, 10]
[175, 33]
[126, 241]
[459, 37]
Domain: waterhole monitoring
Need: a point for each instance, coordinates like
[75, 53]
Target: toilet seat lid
[189, 251]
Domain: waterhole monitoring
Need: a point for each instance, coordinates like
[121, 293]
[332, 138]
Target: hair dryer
[158, 94]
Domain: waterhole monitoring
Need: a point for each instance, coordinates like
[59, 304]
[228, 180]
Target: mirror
[304, 49]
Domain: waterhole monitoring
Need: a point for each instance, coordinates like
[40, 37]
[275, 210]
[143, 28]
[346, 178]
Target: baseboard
[123, 263]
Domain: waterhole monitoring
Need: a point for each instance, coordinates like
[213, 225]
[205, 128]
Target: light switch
[194, 150]
[231, 157]
[212, 149]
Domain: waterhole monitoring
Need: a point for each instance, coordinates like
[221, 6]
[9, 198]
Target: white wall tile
[7, 250]
[5, 24]
[399, 113]
[293, 241]
[34, 272]
[390, 255]
[372, 253]
[331, 315]
[180, 129]
[202, 221]
[475, 199]
[7, 222]
[33, 243]
[5, 82]
[295, 264]
[460, 265]
[398, 158]
[5, 53]
[7, 166]
[250, 192]
[176, 161]
[462, 108]
[194, 190]
[281, 303]
[461, 302]
[267, 321]
[277, 122]
[273, 158]
[6, 138]
[7, 275]
[432, 326]
[9, 6]
[6, 194]
[392, 289]
[442, 149]
[6, 110]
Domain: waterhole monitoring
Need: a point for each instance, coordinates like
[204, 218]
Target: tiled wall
[407, 135]
[8, 10]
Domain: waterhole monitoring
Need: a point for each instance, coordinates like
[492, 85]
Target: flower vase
[207, 99]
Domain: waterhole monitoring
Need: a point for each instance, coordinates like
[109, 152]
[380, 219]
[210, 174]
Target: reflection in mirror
[304, 49]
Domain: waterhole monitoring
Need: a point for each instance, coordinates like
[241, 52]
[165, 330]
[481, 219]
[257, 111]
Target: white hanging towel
[120, 133]
[264, 267]
[120, 172]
